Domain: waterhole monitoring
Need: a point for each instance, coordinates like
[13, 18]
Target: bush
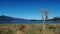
[6, 32]
[51, 27]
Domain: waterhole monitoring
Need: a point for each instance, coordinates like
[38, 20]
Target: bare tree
[44, 17]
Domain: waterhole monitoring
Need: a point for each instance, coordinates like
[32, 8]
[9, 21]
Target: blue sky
[29, 9]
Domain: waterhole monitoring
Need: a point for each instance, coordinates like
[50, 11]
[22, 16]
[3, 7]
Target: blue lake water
[31, 22]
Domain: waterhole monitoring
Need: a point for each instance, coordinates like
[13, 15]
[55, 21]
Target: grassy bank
[29, 29]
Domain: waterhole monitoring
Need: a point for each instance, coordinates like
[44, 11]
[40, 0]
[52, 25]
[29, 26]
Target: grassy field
[29, 29]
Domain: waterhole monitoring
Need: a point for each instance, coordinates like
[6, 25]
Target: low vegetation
[29, 29]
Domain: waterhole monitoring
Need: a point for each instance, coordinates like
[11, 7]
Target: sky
[29, 9]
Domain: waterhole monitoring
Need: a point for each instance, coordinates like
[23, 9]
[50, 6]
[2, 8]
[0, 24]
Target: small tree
[44, 17]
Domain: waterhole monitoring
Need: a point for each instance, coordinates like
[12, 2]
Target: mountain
[10, 19]
[56, 19]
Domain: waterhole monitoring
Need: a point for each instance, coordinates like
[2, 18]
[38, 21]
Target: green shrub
[51, 27]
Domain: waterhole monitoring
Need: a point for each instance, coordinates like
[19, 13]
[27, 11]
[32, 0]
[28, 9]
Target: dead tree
[44, 18]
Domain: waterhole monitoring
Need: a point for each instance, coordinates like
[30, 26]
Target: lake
[31, 22]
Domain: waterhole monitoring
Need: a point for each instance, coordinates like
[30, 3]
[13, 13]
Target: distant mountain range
[12, 19]
[8, 18]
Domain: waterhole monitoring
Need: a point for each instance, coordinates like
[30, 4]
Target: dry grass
[29, 29]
